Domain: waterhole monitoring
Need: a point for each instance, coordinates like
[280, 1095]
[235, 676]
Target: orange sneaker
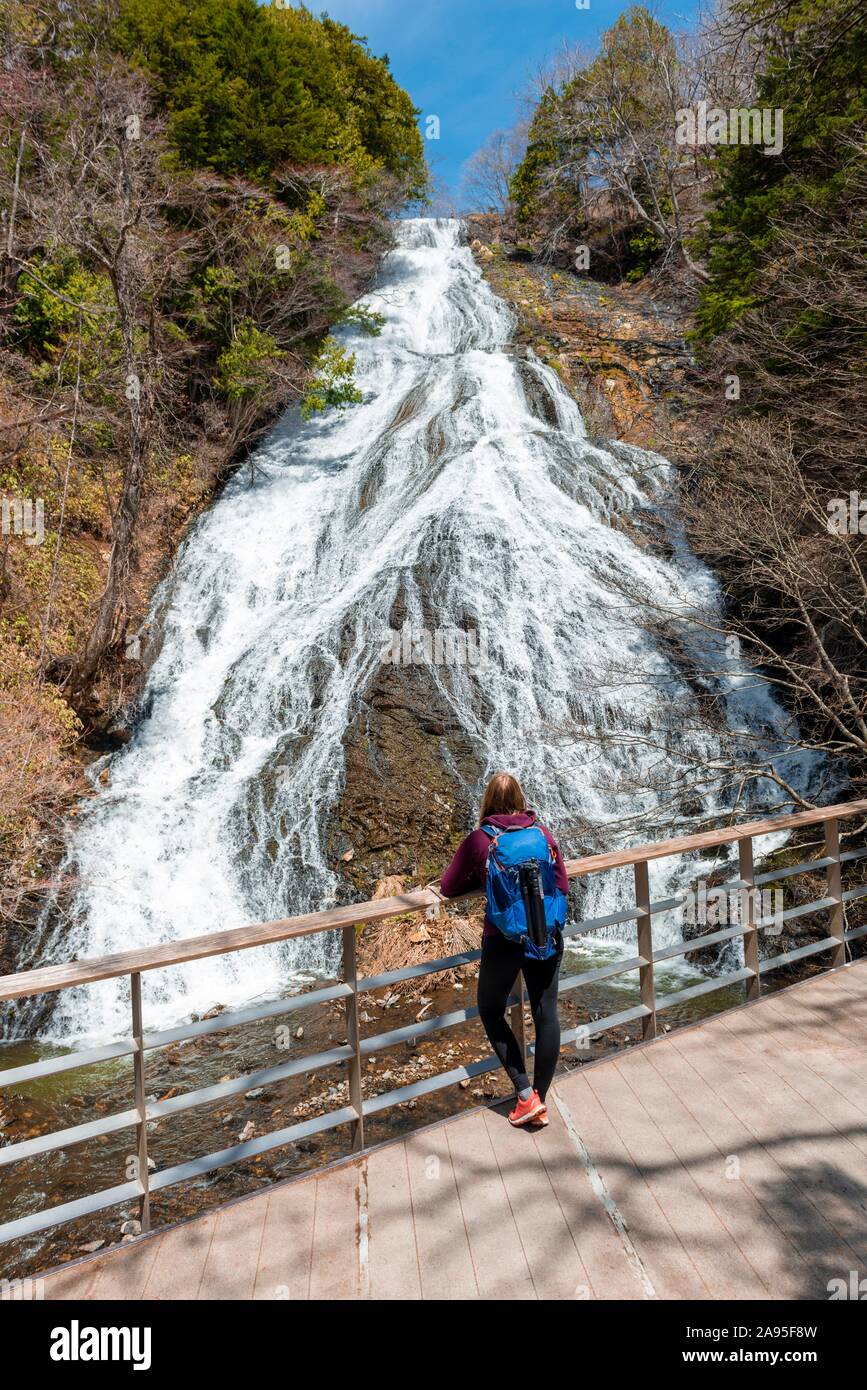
[541, 1119]
[526, 1110]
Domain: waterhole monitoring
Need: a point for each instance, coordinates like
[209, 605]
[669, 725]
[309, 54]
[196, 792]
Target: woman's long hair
[503, 795]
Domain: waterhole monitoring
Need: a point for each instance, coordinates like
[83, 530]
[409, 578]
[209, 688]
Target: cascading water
[464, 485]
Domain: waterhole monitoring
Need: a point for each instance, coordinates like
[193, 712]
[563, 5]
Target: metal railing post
[141, 1131]
[748, 921]
[356, 1097]
[644, 923]
[834, 880]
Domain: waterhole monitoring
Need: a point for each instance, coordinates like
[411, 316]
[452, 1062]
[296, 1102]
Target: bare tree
[603, 143]
[101, 191]
[487, 174]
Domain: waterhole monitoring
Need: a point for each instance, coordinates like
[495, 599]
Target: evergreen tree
[248, 87]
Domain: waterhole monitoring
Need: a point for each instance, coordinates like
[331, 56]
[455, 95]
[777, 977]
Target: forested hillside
[755, 224]
[194, 192]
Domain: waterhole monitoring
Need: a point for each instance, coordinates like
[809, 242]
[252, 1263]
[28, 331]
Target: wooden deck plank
[555, 1266]
[499, 1261]
[841, 1008]
[723, 1269]
[286, 1253]
[669, 1268]
[803, 1225]
[233, 1259]
[819, 1141]
[831, 1014]
[610, 1274]
[183, 1251]
[829, 1053]
[822, 1164]
[445, 1262]
[393, 1268]
[846, 983]
[841, 1111]
[770, 1255]
[74, 1282]
[125, 1276]
[334, 1272]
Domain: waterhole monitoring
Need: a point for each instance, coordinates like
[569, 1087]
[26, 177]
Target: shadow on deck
[723, 1161]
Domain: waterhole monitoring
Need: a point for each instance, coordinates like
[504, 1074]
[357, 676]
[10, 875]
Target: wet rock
[407, 738]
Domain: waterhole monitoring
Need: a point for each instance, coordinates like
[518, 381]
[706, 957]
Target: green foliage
[632, 51]
[367, 321]
[644, 247]
[245, 366]
[543, 147]
[249, 87]
[42, 322]
[611, 101]
[219, 284]
[824, 102]
[332, 382]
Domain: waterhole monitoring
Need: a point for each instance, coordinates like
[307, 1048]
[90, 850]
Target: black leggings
[501, 962]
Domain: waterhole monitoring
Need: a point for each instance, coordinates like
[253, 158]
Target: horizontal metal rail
[681, 996]
[71, 1211]
[65, 1138]
[50, 978]
[602, 972]
[351, 1053]
[827, 943]
[220, 1022]
[602, 1025]
[67, 1061]
[695, 943]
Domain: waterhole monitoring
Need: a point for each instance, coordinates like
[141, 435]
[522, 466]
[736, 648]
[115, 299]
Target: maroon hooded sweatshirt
[467, 869]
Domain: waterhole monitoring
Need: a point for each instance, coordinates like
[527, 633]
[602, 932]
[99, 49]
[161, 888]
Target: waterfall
[465, 486]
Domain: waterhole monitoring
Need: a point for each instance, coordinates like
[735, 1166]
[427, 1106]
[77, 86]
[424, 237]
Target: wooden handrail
[49, 979]
[708, 839]
[346, 919]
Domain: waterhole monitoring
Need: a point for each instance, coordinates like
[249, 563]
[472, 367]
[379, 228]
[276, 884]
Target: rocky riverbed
[75, 1098]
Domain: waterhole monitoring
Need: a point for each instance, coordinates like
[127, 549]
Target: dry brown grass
[37, 784]
[415, 937]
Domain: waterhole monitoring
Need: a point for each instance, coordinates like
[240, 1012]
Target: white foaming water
[464, 485]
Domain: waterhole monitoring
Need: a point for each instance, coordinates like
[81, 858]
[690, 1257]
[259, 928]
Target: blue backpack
[521, 894]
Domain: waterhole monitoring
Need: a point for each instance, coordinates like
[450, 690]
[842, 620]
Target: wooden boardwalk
[728, 1160]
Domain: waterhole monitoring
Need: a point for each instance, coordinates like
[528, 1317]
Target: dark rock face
[411, 782]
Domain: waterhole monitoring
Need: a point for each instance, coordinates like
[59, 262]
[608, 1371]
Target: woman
[505, 805]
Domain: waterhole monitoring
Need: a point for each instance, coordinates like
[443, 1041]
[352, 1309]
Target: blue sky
[467, 61]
